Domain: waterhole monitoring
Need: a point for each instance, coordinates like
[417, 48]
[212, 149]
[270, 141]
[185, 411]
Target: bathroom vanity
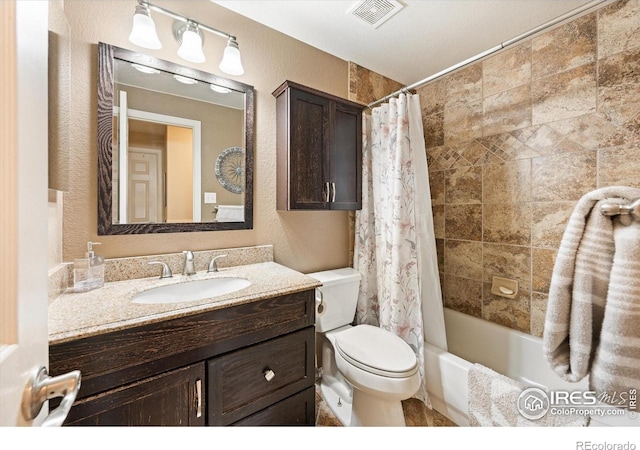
[245, 358]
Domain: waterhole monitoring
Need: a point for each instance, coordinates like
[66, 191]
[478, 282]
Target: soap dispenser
[88, 272]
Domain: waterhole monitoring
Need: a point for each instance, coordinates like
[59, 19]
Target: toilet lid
[377, 351]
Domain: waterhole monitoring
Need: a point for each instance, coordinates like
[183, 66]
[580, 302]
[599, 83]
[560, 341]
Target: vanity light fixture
[190, 39]
[143, 31]
[188, 33]
[231, 62]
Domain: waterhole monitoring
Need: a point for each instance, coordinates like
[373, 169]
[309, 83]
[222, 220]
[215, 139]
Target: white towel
[493, 401]
[230, 213]
[592, 324]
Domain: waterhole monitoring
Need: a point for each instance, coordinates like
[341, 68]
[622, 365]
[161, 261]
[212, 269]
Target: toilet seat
[376, 351]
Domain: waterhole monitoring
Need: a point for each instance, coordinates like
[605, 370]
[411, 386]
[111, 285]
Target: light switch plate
[210, 197]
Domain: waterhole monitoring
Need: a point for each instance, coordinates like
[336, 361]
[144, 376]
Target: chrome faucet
[189, 266]
[166, 271]
[213, 265]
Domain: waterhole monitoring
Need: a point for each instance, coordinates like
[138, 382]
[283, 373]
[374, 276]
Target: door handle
[198, 398]
[333, 196]
[327, 192]
[41, 387]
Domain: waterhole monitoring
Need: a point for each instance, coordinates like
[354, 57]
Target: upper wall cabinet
[319, 150]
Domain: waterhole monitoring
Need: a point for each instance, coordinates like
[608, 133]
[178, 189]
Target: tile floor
[416, 414]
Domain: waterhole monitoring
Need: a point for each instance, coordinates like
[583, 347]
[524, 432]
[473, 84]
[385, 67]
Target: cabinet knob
[269, 374]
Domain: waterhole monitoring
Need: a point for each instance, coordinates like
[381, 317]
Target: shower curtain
[394, 238]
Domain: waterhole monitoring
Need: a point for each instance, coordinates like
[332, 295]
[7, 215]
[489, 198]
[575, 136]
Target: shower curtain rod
[568, 15]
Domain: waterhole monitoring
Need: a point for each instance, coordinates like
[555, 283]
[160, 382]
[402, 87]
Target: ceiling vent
[375, 12]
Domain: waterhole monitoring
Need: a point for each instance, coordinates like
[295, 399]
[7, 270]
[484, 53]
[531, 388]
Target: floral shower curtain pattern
[390, 244]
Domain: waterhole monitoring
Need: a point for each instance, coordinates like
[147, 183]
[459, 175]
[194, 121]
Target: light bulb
[143, 31]
[191, 47]
[231, 62]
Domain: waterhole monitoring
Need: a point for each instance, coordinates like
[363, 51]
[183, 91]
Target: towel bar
[614, 209]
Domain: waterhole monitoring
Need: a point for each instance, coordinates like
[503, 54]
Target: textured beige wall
[59, 96]
[305, 241]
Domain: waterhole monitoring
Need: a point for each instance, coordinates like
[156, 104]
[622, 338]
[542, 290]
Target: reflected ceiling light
[188, 34]
[143, 30]
[220, 89]
[185, 80]
[231, 62]
[144, 69]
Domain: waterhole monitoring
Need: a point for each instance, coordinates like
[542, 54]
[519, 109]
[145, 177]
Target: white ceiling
[425, 37]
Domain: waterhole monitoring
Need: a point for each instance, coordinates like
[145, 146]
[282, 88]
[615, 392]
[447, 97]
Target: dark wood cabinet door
[310, 136]
[319, 140]
[176, 398]
[345, 158]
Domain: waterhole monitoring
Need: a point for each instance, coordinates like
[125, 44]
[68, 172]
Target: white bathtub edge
[450, 399]
[515, 354]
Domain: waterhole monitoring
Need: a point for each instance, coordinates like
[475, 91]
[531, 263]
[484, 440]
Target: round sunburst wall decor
[230, 169]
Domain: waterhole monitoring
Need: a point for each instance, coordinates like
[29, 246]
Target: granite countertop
[80, 315]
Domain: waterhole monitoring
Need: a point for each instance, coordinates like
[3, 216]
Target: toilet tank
[339, 295]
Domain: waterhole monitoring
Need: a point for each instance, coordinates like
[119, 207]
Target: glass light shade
[143, 31]
[191, 47]
[231, 62]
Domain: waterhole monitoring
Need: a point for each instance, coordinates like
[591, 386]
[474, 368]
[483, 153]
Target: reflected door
[145, 192]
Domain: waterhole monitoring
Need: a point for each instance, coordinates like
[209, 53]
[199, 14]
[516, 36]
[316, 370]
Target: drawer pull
[269, 374]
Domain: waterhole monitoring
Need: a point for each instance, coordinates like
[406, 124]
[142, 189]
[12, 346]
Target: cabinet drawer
[237, 381]
[299, 409]
[121, 357]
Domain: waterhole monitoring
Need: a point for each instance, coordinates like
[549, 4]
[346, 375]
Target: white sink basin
[191, 290]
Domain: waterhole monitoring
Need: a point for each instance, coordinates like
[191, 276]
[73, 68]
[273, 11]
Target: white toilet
[366, 371]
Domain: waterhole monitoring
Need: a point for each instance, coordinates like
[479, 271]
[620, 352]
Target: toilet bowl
[366, 371]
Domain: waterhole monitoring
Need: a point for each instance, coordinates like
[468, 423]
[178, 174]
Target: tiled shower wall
[514, 141]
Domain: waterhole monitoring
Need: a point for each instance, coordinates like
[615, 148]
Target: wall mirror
[175, 147]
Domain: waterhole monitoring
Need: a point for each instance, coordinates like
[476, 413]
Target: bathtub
[509, 352]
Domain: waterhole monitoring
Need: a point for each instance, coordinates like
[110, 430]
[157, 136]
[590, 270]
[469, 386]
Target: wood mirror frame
[106, 55]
